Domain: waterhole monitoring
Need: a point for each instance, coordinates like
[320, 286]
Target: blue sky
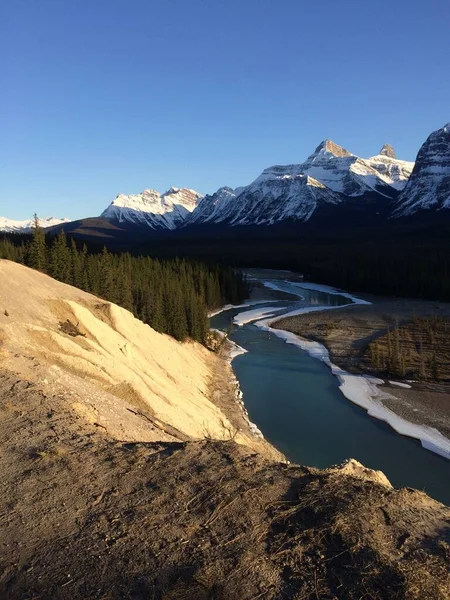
[107, 96]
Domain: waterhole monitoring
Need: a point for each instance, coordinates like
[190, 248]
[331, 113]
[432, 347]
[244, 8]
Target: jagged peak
[176, 190]
[144, 195]
[388, 150]
[333, 148]
[224, 190]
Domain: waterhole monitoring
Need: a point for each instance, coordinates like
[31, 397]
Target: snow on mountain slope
[11, 226]
[280, 198]
[429, 184]
[392, 171]
[152, 209]
[211, 207]
[353, 176]
[329, 176]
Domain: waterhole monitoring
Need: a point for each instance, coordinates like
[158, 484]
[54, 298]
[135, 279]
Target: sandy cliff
[110, 365]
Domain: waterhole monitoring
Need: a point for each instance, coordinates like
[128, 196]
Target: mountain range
[12, 226]
[332, 183]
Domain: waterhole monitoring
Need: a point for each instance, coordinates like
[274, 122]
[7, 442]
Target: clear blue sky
[106, 96]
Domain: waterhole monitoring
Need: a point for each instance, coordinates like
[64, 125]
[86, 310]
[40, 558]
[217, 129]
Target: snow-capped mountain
[429, 184]
[353, 176]
[11, 226]
[152, 209]
[328, 177]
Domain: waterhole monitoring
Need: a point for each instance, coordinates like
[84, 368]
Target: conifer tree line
[172, 296]
[384, 260]
[419, 349]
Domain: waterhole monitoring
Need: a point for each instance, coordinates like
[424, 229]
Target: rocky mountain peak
[330, 146]
[183, 196]
[388, 150]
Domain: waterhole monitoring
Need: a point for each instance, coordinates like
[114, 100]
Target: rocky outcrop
[388, 150]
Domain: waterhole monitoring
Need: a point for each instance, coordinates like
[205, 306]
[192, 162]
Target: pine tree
[434, 367]
[105, 276]
[124, 292]
[60, 261]
[422, 371]
[76, 277]
[37, 257]
[158, 320]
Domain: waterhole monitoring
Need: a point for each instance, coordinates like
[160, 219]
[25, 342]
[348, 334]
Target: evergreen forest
[403, 260]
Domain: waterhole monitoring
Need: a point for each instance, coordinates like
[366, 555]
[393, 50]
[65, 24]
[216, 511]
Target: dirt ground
[347, 333]
[83, 515]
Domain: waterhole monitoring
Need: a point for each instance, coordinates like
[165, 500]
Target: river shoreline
[421, 411]
[409, 411]
[302, 405]
[225, 392]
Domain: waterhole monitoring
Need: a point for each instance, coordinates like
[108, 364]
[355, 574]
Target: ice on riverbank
[307, 309]
[330, 290]
[363, 391]
[213, 313]
[233, 348]
[256, 314]
[273, 286]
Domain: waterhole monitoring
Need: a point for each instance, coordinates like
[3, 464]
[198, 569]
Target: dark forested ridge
[407, 257]
[172, 295]
[397, 259]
